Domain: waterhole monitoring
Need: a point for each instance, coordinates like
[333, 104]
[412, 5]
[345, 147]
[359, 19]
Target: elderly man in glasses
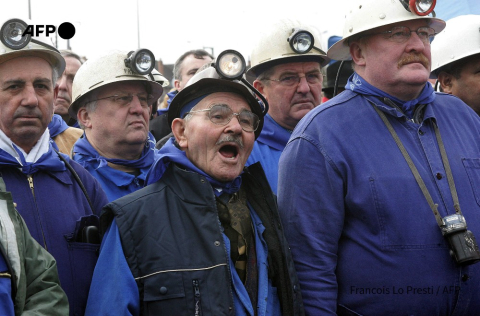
[112, 104]
[204, 237]
[378, 187]
[291, 81]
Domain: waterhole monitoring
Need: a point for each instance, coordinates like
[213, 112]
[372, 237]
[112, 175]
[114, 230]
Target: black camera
[463, 246]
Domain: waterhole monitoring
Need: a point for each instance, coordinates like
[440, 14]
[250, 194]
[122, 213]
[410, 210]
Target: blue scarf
[359, 85]
[49, 161]
[171, 153]
[169, 100]
[57, 125]
[84, 152]
[274, 135]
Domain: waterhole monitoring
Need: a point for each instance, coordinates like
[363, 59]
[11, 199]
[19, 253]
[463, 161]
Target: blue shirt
[362, 234]
[113, 273]
[267, 149]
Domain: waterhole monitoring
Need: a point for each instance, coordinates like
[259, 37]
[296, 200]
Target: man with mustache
[456, 59]
[378, 187]
[113, 104]
[290, 81]
[56, 196]
[204, 237]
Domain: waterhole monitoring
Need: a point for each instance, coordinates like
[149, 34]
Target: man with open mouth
[204, 236]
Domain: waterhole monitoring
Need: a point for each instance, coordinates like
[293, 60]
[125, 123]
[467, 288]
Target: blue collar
[85, 153]
[360, 85]
[49, 161]
[274, 135]
[57, 125]
[171, 153]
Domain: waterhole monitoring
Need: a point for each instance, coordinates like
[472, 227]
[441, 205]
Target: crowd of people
[313, 181]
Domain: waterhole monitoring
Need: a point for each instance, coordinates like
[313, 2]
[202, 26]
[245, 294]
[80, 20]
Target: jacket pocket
[472, 167]
[164, 286]
[164, 292]
[83, 257]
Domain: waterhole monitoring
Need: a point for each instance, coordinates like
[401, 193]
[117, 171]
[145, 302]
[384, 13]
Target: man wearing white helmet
[456, 59]
[112, 100]
[56, 196]
[286, 66]
[378, 187]
[204, 237]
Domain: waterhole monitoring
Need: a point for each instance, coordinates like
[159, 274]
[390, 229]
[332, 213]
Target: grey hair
[264, 76]
[68, 53]
[197, 53]
[90, 106]
[55, 75]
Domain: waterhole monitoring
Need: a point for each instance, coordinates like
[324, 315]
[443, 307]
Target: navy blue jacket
[51, 211]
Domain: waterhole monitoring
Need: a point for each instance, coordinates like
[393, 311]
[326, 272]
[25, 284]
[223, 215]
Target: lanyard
[416, 174]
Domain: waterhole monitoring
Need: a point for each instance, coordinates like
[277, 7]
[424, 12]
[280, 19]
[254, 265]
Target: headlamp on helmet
[230, 64]
[302, 41]
[11, 35]
[225, 74]
[419, 7]
[141, 61]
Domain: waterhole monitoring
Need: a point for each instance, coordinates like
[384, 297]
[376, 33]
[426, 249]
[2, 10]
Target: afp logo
[16, 34]
[66, 30]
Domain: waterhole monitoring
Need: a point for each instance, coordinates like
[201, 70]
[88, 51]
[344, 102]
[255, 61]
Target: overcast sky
[169, 28]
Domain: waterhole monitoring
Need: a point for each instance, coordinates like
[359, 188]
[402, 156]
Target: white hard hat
[369, 14]
[14, 45]
[106, 69]
[158, 77]
[460, 39]
[278, 44]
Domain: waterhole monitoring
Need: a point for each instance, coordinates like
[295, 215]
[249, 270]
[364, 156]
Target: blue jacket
[55, 211]
[363, 237]
[114, 182]
[267, 149]
[151, 255]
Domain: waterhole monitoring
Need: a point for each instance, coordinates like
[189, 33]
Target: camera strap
[415, 172]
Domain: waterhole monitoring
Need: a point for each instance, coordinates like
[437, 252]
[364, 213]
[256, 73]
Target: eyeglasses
[401, 34]
[221, 114]
[126, 99]
[291, 80]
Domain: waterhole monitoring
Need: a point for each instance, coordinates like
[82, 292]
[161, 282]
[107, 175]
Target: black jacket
[171, 236]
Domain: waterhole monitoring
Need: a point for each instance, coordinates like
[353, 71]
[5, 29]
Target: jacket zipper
[197, 300]
[30, 183]
[227, 255]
